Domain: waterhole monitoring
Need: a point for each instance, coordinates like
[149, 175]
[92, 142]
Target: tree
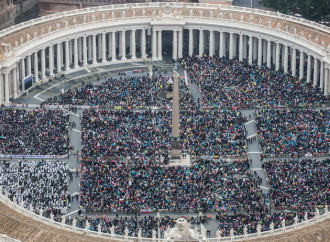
[316, 10]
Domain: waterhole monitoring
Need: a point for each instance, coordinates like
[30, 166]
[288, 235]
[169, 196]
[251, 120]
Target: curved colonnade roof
[17, 40]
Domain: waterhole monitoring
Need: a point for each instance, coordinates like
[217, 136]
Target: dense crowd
[42, 184]
[127, 91]
[294, 132]
[141, 184]
[122, 134]
[228, 83]
[251, 221]
[298, 183]
[34, 132]
[146, 224]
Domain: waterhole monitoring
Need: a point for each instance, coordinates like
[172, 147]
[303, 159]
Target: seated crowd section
[119, 134]
[228, 83]
[143, 185]
[298, 184]
[34, 132]
[126, 91]
[293, 131]
[41, 184]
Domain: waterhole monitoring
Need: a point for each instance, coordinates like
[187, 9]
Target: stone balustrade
[259, 235]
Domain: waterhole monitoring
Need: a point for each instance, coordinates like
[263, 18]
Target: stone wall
[20, 11]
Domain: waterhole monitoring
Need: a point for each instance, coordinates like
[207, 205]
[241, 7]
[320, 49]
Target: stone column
[63, 54]
[175, 149]
[294, 61]
[104, 49]
[231, 46]
[36, 71]
[241, 45]
[123, 45]
[221, 45]
[201, 42]
[250, 49]
[133, 44]
[255, 49]
[51, 60]
[43, 64]
[211, 43]
[269, 54]
[14, 91]
[321, 75]
[191, 42]
[75, 51]
[260, 51]
[6, 87]
[326, 81]
[94, 49]
[316, 73]
[67, 54]
[286, 55]
[309, 68]
[70, 52]
[175, 44]
[109, 45]
[143, 45]
[234, 46]
[154, 44]
[99, 47]
[301, 65]
[23, 68]
[28, 65]
[59, 60]
[1, 89]
[160, 54]
[79, 51]
[245, 46]
[264, 52]
[277, 57]
[180, 47]
[113, 48]
[90, 56]
[85, 50]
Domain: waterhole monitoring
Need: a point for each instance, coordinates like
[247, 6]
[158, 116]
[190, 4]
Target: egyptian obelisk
[175, 145]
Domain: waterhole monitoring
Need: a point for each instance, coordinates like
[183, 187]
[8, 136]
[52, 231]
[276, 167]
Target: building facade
[69, 41]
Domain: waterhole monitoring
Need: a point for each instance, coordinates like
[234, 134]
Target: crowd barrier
[2, 156]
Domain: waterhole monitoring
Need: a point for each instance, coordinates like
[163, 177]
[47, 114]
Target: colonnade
[123, 45]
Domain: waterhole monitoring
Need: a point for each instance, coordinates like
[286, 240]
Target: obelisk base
[175, 149]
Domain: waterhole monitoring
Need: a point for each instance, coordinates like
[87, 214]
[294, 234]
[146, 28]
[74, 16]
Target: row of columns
[111, 46]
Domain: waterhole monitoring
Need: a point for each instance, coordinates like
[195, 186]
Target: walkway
[192, 86]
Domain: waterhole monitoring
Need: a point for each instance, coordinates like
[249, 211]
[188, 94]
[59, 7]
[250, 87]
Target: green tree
[310, 9]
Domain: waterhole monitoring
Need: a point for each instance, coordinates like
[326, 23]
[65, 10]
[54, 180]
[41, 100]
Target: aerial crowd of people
[125, 91]
[42, 184]
[34, 132]
[122, 134]
[226, 83]
[124, 153]
[294, 132]
[117, 185]
[298, 184]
